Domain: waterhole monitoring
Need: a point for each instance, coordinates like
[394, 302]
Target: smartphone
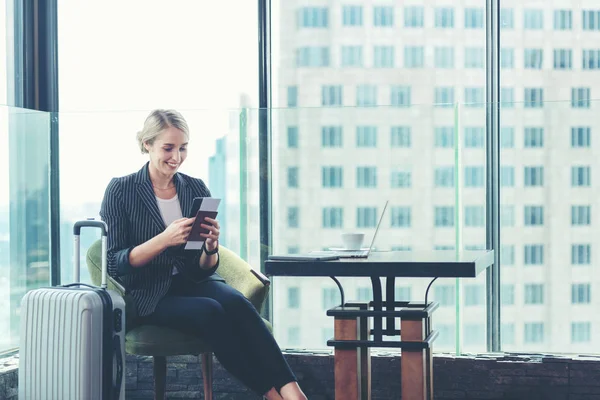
[196, 206]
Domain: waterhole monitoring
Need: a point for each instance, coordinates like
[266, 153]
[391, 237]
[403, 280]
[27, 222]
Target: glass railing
[332, 169]
[24, 213]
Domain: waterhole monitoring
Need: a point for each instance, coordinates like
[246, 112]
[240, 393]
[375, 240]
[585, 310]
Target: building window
[581, 136]
[352, 15]
[294, 297]
[507, 58]
[413, 16]
[534, 332]
[400, 136]
[474, 57]
[292, 177]
[402, 293]
[474, 295]
[581, 332]
[474, 137]
[364, 294]
[331, 95]
[507, 97]
[581, 254]
[534, 215]
[444, 97]
[534, 293]
[591, 59]
[312, 57]
[591, 20]
[401, 217]
[507, 19]
[366, 217]
[473, 18]
[383, 57]
[444, 177]
[444, 216]
[330, 297]
[293, 336]
[508, 334]
[333, 217]
[474, 216]
[534, 254]
[581, 215]
[400, 96]
[293, 217]
[366, 95]
[444, 294]
[444, 17]
[507, 176]
[581, 293]
[313, 17]
[534, 176]
[444, 136]
[332, 177]
[352, 56]
[533, 19]
[414, 57]
[474, 176]
[443, 57]
[534, 97]
[507, 215]
[400, 179]
[507, 137]
[534, 137]
[366, 136]
[292, 96]
[507, 294]
[383, 16]
[507, 255]
[293, 250]
[563, 59]
[580, 176]
[331, 136]
[533, 58]
[580, 97]
[563, 20]
[292, 137]
[474, 97]
[366, 177]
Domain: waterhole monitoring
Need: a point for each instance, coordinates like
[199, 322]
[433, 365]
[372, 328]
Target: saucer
[345, 249]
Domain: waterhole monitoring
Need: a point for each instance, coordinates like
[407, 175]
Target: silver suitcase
[72, 343]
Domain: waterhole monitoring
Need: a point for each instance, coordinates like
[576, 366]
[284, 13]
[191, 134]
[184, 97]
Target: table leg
[346, 362]
[413, 363]
[365, 357]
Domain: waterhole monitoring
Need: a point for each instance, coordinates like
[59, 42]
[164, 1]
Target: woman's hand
[212, 237]
[177, 232]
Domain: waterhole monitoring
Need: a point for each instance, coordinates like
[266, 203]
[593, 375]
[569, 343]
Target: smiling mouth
[172, 165]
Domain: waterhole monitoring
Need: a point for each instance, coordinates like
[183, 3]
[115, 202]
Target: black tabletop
[416, 264]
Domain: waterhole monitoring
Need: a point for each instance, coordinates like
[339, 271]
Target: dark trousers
[231, 325]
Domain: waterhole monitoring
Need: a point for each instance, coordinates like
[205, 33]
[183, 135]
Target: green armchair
[160, 342]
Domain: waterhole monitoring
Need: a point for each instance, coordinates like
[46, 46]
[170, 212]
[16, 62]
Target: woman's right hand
[177, 232]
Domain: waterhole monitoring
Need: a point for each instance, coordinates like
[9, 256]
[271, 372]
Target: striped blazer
[131, 212]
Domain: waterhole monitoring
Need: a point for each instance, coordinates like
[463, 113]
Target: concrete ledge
[488, 376]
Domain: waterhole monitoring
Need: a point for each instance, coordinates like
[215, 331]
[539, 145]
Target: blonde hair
[158, 121]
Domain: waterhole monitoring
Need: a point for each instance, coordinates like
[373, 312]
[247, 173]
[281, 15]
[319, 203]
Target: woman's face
[168, 151]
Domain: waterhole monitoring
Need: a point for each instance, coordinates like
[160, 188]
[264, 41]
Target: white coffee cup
[353, 241]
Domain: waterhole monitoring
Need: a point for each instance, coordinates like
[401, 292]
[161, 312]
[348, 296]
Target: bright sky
[118, 59]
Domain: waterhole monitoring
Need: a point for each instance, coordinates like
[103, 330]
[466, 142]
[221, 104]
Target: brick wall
[469, 377]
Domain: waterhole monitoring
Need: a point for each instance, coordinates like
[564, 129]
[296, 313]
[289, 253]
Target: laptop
[363, 253]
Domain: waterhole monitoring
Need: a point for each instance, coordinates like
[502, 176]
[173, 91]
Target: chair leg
[160, 377]
[207, 375]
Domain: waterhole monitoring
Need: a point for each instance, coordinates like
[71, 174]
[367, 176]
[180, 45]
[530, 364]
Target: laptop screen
[378, 226]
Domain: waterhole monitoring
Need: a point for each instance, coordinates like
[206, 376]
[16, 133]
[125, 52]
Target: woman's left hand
[212, 237]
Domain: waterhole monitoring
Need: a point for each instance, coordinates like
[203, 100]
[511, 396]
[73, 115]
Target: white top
[170, 209]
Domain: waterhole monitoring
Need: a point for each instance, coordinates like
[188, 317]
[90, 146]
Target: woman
[180, 288]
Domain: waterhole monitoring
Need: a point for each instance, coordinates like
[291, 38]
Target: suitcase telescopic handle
[92, 223]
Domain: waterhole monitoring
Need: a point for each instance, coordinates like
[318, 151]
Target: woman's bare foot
[291, 391]
[273, 395]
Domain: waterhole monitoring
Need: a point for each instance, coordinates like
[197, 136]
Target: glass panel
[24, 213]
[4, 53]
